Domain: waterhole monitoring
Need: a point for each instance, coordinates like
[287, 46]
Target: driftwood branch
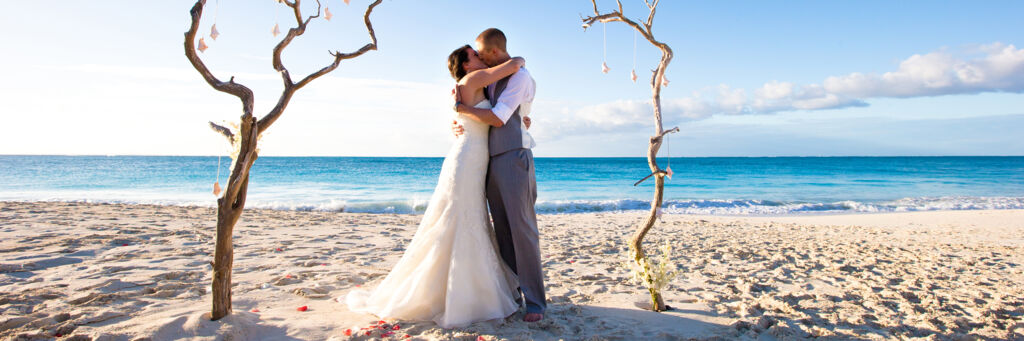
[223, 131]
[242, 92]
[657, 79]
[289, 86]
[231, 204]
[659, 172]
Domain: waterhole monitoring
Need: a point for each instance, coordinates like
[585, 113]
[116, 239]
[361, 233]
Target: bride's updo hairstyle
[456, 60]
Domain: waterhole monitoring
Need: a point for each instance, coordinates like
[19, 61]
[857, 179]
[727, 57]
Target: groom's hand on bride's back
[457, 128]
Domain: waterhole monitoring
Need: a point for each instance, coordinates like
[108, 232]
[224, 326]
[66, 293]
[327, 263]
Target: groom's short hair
[493, 39]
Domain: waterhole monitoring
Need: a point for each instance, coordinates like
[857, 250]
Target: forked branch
[289, 86]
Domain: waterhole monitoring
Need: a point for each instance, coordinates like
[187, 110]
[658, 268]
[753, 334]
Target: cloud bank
[996, 67]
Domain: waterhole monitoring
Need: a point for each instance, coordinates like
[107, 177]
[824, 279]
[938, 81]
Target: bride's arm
[481, 78]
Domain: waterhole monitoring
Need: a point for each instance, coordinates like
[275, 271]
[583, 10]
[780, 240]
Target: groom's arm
[516, 91]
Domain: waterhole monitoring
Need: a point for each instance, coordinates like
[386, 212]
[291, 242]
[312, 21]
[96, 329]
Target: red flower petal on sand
[303, 308]
[288, 276]
[125, 244]
[254, 310]
[407, 336]
[396, 327]
[278, 250]
[368, 332]
[480, 338]
[381, 322]
[348, 332]
[58, 335]
[387, 334]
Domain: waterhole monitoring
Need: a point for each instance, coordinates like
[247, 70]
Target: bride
[451, 272]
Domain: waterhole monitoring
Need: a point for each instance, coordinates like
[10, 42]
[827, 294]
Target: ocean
[704, 185]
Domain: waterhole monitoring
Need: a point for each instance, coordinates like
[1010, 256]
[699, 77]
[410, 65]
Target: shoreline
[124, 271]
[668, 210]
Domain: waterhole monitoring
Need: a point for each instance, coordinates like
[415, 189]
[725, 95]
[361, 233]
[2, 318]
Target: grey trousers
[511, 194]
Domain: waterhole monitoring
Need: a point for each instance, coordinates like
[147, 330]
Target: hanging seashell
[604, 67]
[213, 32]
[632, 75]
[657, 213]
[346, 2]
[586, 26]
[327, 13]
[277, 30]
[216, 188]
[664, 80]
[668, 172]
[202, 45]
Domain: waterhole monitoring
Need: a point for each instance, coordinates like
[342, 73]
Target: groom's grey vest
[510, 135]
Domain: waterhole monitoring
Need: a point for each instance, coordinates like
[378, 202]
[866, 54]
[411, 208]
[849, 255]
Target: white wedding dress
[451, 272]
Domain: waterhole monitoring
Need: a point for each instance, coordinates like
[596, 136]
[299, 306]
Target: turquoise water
[403, 185]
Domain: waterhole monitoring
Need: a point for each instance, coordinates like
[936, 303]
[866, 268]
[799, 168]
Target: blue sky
[749, 78]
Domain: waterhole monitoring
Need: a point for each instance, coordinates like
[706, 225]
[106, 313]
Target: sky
[749, 78]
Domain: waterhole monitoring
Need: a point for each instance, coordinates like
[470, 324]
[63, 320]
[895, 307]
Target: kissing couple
[459, 268]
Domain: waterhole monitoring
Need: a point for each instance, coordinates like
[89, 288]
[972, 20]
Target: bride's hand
[519, 61]
[526, 121]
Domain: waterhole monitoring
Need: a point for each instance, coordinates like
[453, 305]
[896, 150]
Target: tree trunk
[229, 209]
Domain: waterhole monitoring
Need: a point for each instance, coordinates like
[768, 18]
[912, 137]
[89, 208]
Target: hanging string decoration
[213, 29]
[346, 2]
[632, 74]
[604, 62]
[327, 11]
[216, 184]
[277, 29]
[668, 168]
[202, 45]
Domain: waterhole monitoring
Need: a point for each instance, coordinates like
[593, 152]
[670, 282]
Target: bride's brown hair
[455, 61]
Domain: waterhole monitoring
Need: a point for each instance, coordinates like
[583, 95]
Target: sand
[141, 272]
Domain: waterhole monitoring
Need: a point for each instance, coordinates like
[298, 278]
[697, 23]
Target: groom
[511, 186]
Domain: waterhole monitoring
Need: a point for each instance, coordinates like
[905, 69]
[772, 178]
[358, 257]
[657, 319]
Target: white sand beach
[77, 271]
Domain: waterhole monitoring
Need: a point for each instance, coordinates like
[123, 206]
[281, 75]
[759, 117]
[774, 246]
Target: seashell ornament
[213, 32]
[664, 80]
[202, 45]
[216, 188]
[327, 13]
[668, 172]
[346, 2]
[632, 75]
[604, 67]
[276, 31]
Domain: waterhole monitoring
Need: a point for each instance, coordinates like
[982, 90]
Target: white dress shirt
[518, 93]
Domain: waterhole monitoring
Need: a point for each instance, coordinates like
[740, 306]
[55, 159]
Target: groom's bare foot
[533, 317]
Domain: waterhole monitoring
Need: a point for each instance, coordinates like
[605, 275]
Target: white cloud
[1000, 68]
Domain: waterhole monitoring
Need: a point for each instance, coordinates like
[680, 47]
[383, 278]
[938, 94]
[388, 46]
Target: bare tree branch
[242, 92]
[223, 131]
[290, 87]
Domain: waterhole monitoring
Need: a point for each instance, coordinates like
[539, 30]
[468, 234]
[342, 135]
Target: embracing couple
[458, 268]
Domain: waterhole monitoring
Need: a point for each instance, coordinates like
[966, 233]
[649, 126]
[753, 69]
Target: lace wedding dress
[451, 272]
